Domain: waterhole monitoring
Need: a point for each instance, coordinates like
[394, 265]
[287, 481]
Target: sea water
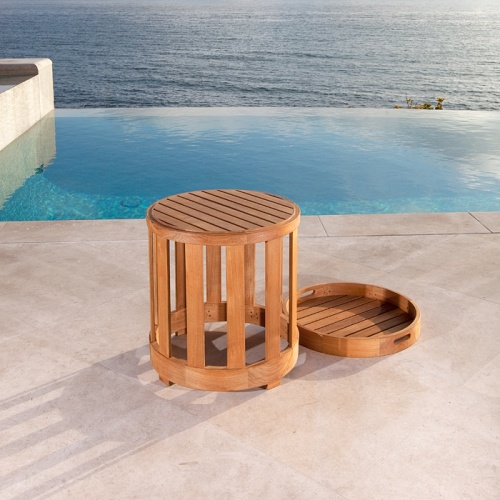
[321, 53]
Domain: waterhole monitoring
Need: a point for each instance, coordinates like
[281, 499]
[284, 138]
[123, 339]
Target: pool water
[114, 163]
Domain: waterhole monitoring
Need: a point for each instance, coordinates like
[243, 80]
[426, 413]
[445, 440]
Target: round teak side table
[203, 247]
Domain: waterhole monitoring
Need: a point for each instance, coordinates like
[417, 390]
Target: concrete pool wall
[26, 95]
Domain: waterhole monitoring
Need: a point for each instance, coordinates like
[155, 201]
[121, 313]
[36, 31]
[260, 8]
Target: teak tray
[355, 320]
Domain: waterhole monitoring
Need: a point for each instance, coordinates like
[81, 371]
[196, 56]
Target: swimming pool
[113, 163]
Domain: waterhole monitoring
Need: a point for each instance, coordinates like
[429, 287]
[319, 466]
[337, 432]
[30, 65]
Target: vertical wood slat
[250, 274]
[292, 287]
[180, 279]
[214, 269]
[274, 273]
[235, 283]
[180, 276]
[195, 310]
[163, 295]
[153, 288]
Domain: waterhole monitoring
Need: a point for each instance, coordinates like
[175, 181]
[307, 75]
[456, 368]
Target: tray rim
[359, 346]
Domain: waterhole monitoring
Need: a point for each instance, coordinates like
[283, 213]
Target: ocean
[296, 53]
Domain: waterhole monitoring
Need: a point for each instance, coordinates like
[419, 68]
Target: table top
[223, 217]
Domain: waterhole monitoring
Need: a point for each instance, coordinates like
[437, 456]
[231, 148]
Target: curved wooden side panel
[264, 373]
[360, 347]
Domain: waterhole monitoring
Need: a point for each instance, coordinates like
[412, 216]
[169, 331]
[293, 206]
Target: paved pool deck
[83, 414]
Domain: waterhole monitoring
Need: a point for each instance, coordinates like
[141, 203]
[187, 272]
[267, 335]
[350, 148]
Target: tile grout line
[487, 228]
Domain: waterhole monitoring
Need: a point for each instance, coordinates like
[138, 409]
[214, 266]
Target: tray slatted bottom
[355, 320]
[352, 316]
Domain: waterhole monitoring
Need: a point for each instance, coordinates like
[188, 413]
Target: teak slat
[329, 308]
[292, 287]
[163, 283]
[359, 329]
[339, 316]
[269, 207]
[274, 263]
[397, 328]
[382, 325]
[227, 211]
[195, 311]
[209, 220]
[180, 280]
[214, 270]
[313, 306]
[350, 320]
[235, 269]
[153, 289]
[249, 274]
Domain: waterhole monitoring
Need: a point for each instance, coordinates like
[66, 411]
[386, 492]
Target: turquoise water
[107, 164]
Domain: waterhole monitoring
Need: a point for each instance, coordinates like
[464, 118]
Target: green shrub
[425, 105]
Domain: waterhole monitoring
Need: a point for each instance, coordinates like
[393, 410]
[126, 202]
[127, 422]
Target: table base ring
[265, 373]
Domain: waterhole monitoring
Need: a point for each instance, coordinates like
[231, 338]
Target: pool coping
[311, 226]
